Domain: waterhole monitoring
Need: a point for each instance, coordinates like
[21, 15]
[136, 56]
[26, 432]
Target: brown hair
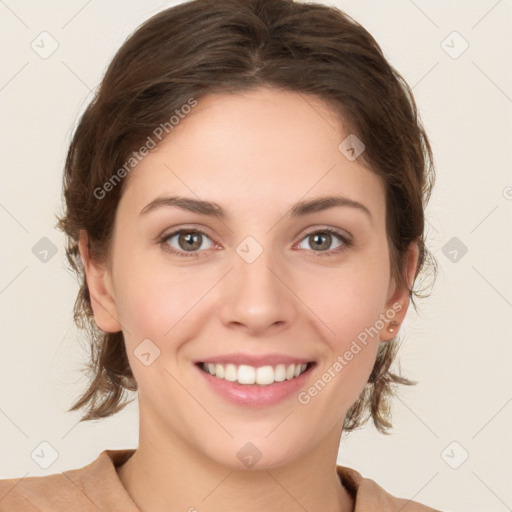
[203, 47]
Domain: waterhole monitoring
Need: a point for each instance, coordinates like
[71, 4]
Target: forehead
[262, 147]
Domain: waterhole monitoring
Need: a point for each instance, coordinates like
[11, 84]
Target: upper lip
[255, 360]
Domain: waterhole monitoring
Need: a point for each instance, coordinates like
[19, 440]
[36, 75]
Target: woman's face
[262, 286]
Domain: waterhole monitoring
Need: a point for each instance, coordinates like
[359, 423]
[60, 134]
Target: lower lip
[255, 395]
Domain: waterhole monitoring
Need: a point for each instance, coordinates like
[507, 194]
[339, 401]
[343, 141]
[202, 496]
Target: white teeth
[230, 373]
[246, 374]
[219, 371]
[263, 375]
[280, 373]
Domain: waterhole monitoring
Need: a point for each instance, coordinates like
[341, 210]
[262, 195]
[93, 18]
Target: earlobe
[100, 289]
[398, 303]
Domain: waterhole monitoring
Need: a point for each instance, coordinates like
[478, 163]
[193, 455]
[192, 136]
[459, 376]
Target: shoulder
[370, 496]
[85, 489]
[33, 494]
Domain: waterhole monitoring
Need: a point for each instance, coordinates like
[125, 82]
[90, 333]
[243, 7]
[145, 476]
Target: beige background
[458, 347]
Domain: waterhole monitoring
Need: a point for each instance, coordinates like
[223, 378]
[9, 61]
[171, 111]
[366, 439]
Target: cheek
[349, 304]
[349, 298]
[151, 302]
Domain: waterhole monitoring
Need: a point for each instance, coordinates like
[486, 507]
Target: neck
[171, 476]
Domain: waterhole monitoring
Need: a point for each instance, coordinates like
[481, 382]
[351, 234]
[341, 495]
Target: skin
[255, 154]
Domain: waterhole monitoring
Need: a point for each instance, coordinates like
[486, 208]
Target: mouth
[251, 375]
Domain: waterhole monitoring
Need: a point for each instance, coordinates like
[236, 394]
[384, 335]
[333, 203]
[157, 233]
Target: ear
[398, 296]
[100, 288]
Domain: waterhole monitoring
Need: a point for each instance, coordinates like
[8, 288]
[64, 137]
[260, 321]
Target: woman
[244, 205]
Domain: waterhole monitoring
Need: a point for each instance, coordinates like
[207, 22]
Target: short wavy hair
[204, 47]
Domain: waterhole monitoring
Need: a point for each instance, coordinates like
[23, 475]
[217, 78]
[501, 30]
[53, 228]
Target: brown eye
[321, 241]
[184, 241]
[189, 241]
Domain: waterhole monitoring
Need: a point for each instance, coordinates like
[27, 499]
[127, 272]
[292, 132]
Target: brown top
[97, 487]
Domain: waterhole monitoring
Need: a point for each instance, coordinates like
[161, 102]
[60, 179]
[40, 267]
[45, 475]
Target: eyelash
[333, 252]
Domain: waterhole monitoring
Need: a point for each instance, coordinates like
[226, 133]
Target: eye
[190, 242]
[320, 241]
[187, 240]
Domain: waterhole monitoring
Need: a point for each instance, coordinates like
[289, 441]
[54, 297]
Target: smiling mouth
[262, 375]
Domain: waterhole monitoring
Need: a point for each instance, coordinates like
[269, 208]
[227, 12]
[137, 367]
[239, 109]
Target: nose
[258, 296]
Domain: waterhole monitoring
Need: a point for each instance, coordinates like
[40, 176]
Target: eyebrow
[212, 209]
